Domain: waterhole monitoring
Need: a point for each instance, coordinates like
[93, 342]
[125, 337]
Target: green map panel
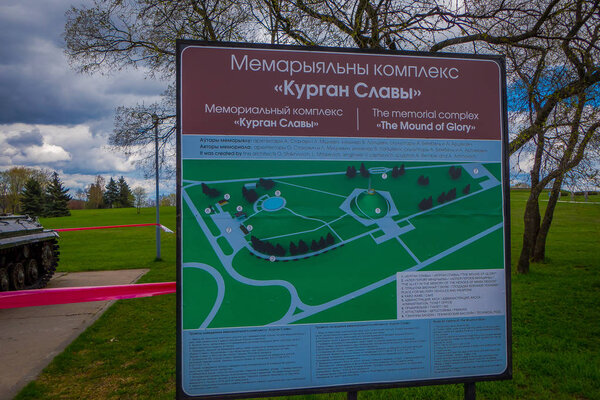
[241, 258]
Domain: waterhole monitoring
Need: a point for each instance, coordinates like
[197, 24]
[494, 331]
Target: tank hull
[28, 253]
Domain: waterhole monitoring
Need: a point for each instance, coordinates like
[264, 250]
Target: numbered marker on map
[384, 176]
[249, 227]
[475, 171]
[228, 229]
[239, 208]
[227, 196]
[277, 193]
[378, 211]
[272, 258]
[207, 210]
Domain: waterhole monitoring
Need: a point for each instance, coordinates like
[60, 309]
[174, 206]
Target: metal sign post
[155, 120]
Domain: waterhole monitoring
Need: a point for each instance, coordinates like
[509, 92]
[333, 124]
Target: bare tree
[139, 197]
[12, 184]
[551, 48]
[95, 193]
[112, 35]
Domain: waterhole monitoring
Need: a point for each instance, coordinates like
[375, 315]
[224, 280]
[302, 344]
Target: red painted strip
[101, 227]
[45, 297]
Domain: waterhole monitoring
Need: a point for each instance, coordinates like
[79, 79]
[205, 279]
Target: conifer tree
[125, 198]
[57, 198]
[111, 195]
[32, 199]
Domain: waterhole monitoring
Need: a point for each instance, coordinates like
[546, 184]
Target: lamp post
[155, 121]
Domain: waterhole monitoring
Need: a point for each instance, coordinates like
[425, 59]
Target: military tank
[28, 253]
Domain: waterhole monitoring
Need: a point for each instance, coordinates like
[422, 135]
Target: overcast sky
[50, 115]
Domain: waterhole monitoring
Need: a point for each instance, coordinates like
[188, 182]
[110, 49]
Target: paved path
[31, 337]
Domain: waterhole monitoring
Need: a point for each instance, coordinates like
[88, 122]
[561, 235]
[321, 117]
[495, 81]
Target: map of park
[295, 242]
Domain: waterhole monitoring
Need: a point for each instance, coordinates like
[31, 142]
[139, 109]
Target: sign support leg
[470, 391]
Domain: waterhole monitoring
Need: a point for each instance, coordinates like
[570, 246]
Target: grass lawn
[130, 351]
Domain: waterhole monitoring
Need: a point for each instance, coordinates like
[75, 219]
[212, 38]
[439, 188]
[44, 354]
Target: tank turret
[28, 253]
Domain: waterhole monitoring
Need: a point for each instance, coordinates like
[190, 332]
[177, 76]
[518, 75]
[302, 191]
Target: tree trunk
[539, 252]
[530, 228]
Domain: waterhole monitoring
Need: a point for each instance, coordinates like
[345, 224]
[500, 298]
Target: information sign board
[343, 220]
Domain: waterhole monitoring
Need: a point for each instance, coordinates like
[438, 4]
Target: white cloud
[47, 153]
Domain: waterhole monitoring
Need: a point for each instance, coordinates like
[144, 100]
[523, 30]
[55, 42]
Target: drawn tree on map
[351, 171]
[364, 172]
[302, 247]
[322, 243]
[455, 172]
[249, 194]
[451, 195]
[330, 239]
[267, 184]
[293, 249]
[279, 250]
[426, 204]
[441, 198]
[467, 189]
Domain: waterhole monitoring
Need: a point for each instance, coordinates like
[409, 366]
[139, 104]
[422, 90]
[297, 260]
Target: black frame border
[181, 44]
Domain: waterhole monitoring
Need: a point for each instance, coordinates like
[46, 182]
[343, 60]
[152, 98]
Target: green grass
[130, 351]
[110, 249]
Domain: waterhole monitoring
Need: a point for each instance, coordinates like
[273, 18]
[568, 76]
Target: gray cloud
[26, 139]
[37, 86]
[51, 116]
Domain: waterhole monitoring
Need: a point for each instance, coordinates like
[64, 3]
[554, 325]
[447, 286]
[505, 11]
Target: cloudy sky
[50, 115]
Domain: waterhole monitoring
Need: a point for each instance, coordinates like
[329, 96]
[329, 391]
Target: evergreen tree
[32, 199]
[57, 199]
[111, 195]
[402, 170]
[125, 195]
[395, 172]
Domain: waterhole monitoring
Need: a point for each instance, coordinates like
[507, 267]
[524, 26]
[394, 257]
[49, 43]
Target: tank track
[29, 266]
